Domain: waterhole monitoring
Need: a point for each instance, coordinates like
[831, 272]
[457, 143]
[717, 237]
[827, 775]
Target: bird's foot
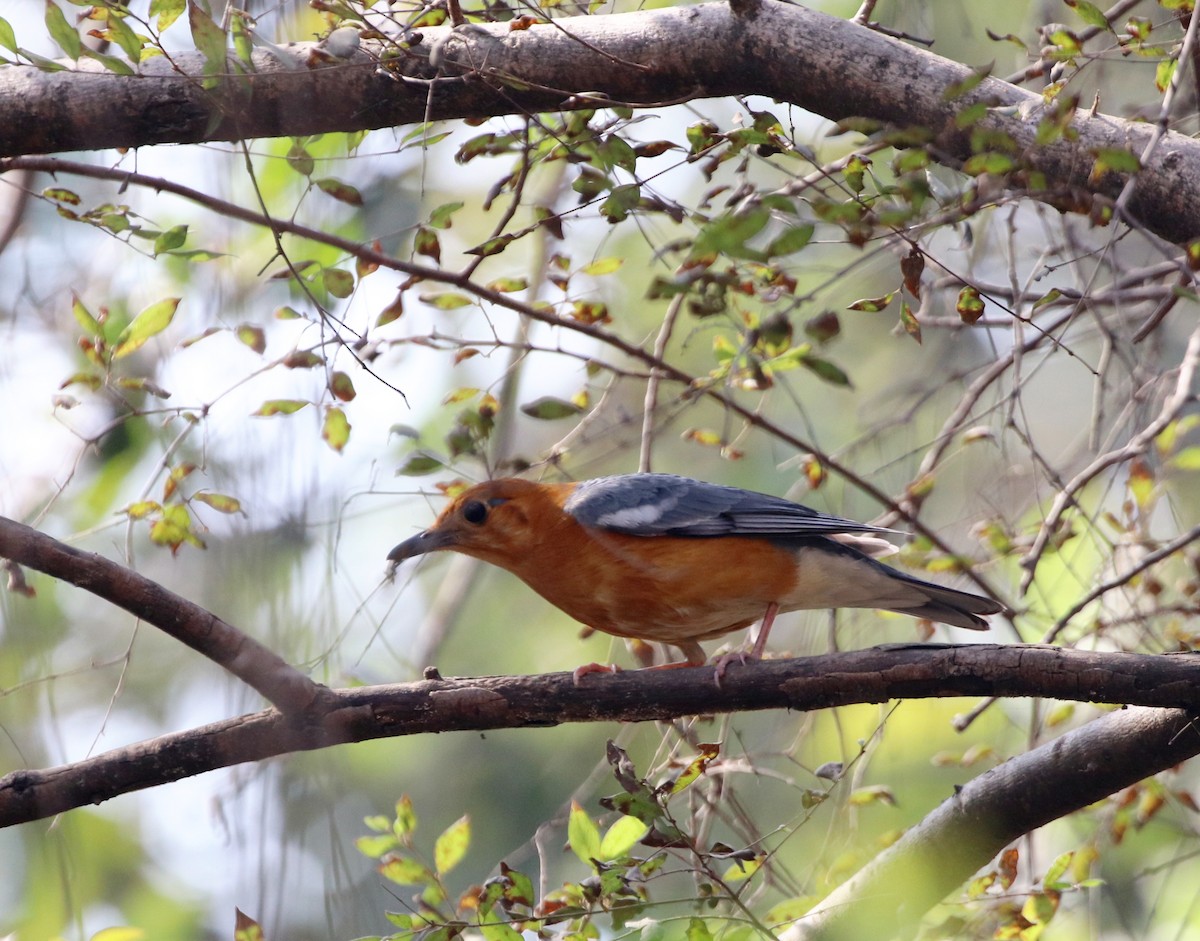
[734, 656]
[579, 673]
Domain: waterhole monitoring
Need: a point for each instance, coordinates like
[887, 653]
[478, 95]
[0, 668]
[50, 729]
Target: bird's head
[498, 521]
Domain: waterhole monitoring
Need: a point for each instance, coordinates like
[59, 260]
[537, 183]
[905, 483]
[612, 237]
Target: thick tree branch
[829, 66]
[890, 894]
[879, 674]
[257, 666]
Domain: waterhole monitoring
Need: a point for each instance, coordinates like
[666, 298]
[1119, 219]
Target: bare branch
[829, 66]
[282, 685]
[1171, 407]
[879, 674]
[890, 894]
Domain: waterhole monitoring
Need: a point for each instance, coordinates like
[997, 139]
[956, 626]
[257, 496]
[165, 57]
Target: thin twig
[1171, 408]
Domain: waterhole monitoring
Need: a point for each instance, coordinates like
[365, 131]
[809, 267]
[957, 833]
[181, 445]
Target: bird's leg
[756, 652]
[760, 642]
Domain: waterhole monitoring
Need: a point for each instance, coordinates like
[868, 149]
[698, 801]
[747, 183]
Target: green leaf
[696, 767]
[302, 359]
[112, 63]
[1053, 877]
[697, 930]
[335, 429]
[427, 243]
[451, 846]
[872, 305]
[210, 41]
[872, 794]
[792, 240]
[152, 321]
[969, 305]
[583, 835]
[827, 370]
[447, 301]
[621, 837]
[908, 320]
[440, 217]
[620, 202]
[60, 195]
[728, 234]
[1115, 160]
[493, 246]
[338, 282]
[375, 846]
[299, 159]
[119, 933]
[142, 508]
[548, 408]
[1164, 73]
[342, 387]
[742, 869]
[499, 931]
[404, 871]
[91, 326]
[602, 266]
[1090, 14]
[252, 336]
[508, 285]
[167, 12]
[220, 502]
[173, 238]
[279, 407]
[343, 192]
[8, 39]
[988, 163]
[123, 36]
[393, 311]
[418, 464]
[1048, 298]
[174, 529]
[406, 818]
[62, 32]
[1187, 459]
[971, 82]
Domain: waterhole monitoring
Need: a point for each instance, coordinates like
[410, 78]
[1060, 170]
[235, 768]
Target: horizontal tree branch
[888, 896]
[831, 67]
[875, 675]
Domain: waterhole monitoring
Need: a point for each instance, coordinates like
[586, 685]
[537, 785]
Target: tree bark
[888, 896]
[878, 674]
[831, 67]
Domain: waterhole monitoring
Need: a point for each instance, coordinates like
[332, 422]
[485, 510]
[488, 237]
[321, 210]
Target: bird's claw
[579, 673]
[735, 656]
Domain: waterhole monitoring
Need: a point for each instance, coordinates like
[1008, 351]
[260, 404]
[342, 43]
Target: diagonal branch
[888, 896]
[284, 686]
[1172, 406]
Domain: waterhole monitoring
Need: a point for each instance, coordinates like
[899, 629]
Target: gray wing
[663, 504]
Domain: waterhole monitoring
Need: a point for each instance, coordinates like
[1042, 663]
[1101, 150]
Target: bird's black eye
[475, 512]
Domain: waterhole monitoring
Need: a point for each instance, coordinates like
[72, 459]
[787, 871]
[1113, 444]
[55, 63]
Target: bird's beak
[429, 541]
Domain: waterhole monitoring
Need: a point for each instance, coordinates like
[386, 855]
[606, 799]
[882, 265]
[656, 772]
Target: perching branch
[831, 67]
[879, 674]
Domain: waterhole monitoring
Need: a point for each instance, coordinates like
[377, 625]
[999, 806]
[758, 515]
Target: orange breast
[661, 588]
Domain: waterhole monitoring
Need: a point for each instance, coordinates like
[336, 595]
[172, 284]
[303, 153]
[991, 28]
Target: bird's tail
[950, 606]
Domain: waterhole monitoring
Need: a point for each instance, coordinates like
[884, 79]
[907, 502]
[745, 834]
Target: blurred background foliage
[262, 446]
